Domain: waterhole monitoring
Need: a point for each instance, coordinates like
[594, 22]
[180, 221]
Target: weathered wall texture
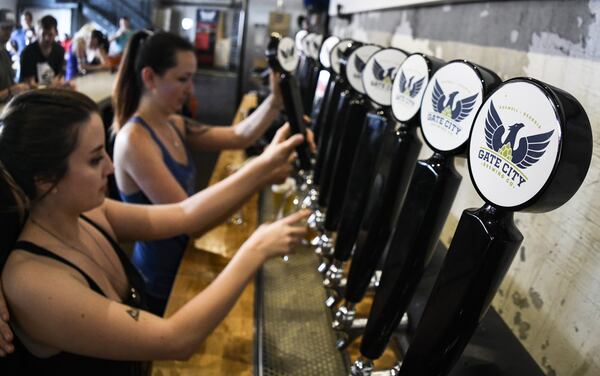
[551, 295]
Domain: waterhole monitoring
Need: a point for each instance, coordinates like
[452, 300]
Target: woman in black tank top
[76, 302]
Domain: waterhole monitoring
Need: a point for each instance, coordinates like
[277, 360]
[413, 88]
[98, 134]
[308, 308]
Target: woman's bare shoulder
[27, 276]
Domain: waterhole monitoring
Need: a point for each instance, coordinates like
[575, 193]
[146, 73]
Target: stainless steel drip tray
[293, 325]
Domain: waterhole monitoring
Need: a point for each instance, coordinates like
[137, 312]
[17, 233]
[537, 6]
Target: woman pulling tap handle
[76, 301]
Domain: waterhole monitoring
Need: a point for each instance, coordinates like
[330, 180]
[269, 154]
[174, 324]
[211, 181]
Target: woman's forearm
[250, 129]
[191, 324]
[211, 206]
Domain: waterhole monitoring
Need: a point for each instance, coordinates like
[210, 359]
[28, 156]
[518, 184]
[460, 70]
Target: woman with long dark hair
[151, 153]
[77, 303]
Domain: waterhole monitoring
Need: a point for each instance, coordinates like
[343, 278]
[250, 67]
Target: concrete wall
[551, 295]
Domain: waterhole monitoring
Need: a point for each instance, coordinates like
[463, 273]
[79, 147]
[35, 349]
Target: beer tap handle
[338, 128]
[394, 171]
[293, 107]
[354, 120]
[480, 254]
[415, 235]
[359, 184]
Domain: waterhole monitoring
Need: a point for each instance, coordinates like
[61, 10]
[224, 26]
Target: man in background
[23, 36]
[8, 88]
[43, 61]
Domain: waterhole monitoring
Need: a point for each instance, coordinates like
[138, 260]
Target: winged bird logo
[359, 64]
[408, 87]
[382, 74]
[529, 150]
[446, 105]
[287, 53]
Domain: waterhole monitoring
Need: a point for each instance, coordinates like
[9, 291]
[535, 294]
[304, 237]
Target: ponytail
[157, 51]
[127, 91]
[14, 209]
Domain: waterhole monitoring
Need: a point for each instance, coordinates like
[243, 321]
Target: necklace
[176, 142]
[132, 290]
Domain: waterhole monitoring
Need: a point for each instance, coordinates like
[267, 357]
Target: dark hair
[28, 14]
[38, 132]
[157, 51]
[300, 20]
[101, 38]
[48, 22]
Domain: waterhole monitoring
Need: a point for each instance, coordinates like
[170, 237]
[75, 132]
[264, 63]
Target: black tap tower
[307, 65]
[326, 95]
[283, 58]
[328, 118]
[394, 170]
[419, 223]
[347, 127]
[320, 123]
[316, 44]
[530, 149]
[390, 168]
[325, 75]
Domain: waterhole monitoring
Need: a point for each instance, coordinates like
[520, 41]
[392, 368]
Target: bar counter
[97, 86]
[228, 350]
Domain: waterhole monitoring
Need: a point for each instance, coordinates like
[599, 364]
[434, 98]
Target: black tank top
[22, 362]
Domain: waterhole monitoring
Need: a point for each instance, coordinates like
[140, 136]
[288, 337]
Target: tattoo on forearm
[193, 126]
[134, 313]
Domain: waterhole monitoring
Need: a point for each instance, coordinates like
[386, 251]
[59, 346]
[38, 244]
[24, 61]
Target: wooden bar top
[228, 350]
[97, 86]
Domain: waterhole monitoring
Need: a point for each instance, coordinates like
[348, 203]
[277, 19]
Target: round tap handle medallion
[315, 46]
[282, 54]
[307, 44]
[450, 102]
[325, 53]
[298, 39]
[338, 51]
[531, 146]
[356, 64]
[410, 83]
[378, 75]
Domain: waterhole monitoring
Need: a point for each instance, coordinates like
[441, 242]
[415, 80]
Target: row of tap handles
[528, 147]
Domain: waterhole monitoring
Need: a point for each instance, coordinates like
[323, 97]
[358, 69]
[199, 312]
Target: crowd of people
[71, 301]
[31, 56]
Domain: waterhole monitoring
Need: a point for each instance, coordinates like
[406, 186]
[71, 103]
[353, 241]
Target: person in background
[121, 37]
[99, 47]
[42, 61]
[302, 22]
[23, 36]
[152, 151]
[78, 60]
[77, 303]
[8, 88]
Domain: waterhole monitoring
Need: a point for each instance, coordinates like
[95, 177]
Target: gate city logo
[383, 77]
[451, 112]
[359, 64]
[287, 54]
[501, 156]
[408, 89]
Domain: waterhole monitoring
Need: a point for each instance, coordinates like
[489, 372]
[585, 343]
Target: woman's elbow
[243, 141]
[180, 346]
